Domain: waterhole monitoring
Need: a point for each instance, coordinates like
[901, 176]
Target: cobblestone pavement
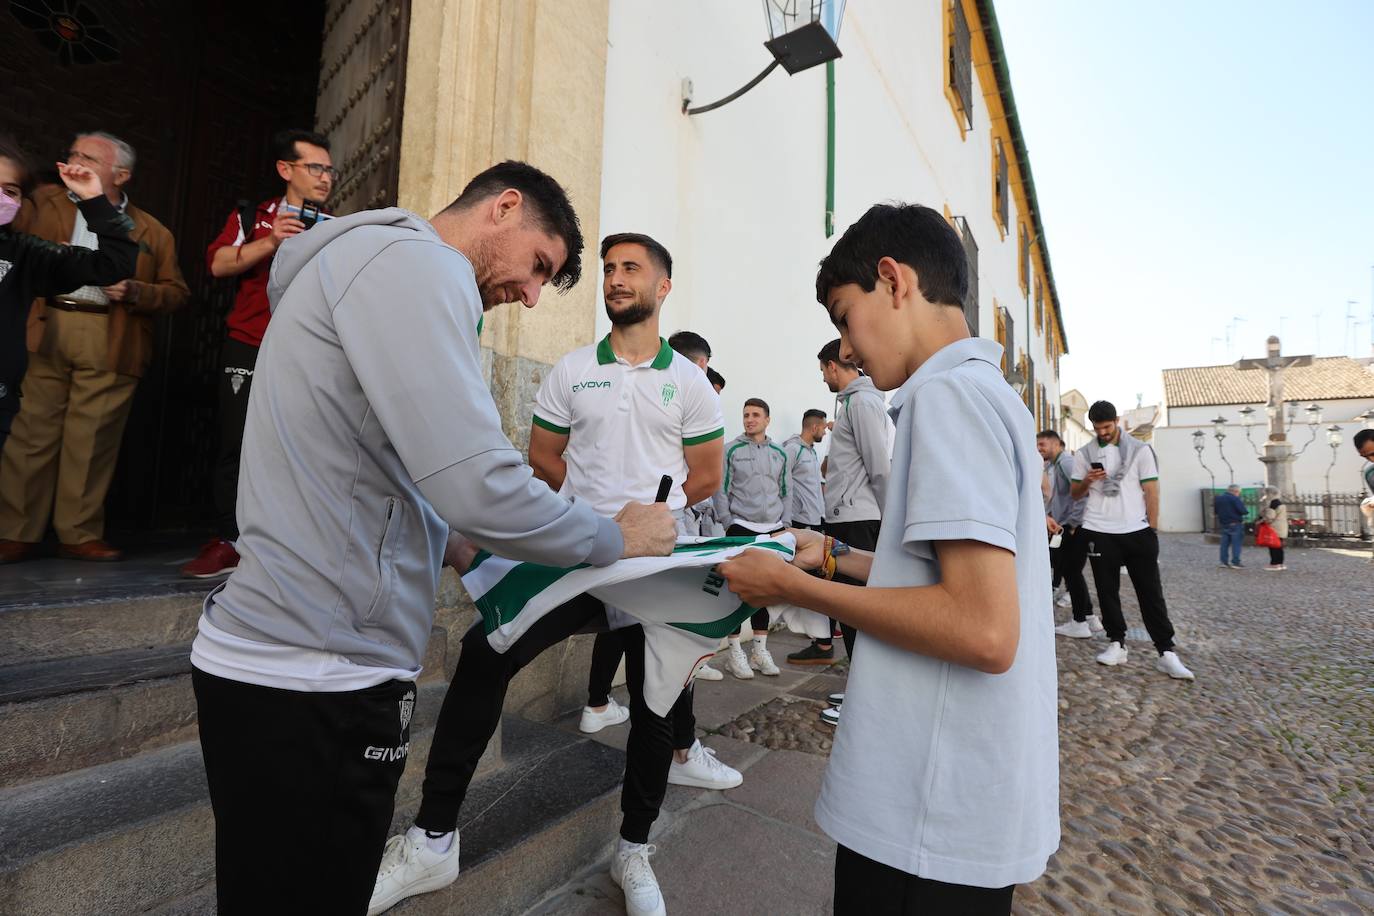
[1248, 790]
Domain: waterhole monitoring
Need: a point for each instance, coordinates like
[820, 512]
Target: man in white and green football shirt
[610, 420]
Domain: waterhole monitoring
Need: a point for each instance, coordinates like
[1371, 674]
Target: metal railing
[1314, 516]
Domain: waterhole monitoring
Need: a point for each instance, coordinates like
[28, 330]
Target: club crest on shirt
[669, 392]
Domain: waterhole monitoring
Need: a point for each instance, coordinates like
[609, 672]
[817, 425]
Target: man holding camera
[244, 249]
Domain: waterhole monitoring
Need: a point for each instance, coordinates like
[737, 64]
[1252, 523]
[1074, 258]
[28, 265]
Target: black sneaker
[812, 655]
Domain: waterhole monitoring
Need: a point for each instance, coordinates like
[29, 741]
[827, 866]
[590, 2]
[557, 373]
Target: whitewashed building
[1340, 388]
[746, 197]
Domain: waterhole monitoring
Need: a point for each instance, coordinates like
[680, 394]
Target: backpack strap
[248, 214]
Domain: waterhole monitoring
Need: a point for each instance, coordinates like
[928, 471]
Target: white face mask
[9, 208]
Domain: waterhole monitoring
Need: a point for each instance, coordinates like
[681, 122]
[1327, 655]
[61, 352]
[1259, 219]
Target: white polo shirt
[940, 770]
[627, 425]
[1125, 511]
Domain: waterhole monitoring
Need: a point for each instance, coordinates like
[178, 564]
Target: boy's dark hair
[11, 150]
[1049, 434]
[830, 353]
[690, 344]
[284, 142]
[813, 414]
[916, 236]
[1101, 412]
[549, 208]
[1363, 436]
[715, 378]
[761, 403]
[657, 253]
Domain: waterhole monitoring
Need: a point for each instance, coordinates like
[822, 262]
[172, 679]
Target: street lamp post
[1219, 425]
[1333, 439]
[1247, 420]
[1199, 443]
[1314, 420]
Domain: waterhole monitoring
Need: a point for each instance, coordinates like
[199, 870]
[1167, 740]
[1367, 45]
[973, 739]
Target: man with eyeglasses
[88, 347]
[244, 249]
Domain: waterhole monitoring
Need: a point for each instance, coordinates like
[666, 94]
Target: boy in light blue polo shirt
[943, 785]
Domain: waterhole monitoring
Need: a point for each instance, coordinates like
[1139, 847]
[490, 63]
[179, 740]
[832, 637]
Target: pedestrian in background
[1275, 515]
[1231, 519]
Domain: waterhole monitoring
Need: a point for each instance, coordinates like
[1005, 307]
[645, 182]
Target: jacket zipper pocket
[389, 528]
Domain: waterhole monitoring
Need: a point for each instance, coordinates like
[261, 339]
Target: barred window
[1001, 196]
[971, 256]
[959, 75]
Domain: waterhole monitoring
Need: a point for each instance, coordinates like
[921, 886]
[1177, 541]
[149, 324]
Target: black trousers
[864, 887]
[472, 712]
[1138, 551]
[863, 535]
[606, 653]
[235, 382]
[1068, 559]
[1275, 553]
[322, 766]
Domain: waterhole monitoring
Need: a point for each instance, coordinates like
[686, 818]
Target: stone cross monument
[1278, 453]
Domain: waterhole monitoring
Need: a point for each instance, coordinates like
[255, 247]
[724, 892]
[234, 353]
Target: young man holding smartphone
[244, 249]
[943, 785]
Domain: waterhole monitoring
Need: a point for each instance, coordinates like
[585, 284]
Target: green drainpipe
[829, 148]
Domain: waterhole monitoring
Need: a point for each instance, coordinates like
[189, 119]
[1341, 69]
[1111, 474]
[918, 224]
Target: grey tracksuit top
[755, 486]
[804, 481]
[370, 433]
[856, 478]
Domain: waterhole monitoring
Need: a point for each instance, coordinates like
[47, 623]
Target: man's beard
[834, 389]
[637, 312]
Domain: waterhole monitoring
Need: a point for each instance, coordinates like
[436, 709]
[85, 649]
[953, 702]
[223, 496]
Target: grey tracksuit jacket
[370, 433]
[856, 477]
[755, 487]
[804, 482]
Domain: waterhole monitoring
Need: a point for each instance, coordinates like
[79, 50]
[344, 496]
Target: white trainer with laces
[1064, 600]
[593, 721]
[1170, 664]
[1095, 623]
[630, 870]
[706, 673]
[410, 867]
[761, 660]
[1075, 629]
[737, 664]
[831, 716]
[703, 770]
[1114, 655]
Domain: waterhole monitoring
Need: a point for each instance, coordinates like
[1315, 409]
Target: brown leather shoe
[15, 551]
[94, 551]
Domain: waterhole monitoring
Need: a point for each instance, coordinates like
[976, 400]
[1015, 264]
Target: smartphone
[1056, 540]
[310, 212]
[1097, 466]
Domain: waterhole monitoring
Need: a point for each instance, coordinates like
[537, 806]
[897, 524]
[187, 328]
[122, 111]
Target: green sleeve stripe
[1148, 479]
[551, 427]
[705, 437]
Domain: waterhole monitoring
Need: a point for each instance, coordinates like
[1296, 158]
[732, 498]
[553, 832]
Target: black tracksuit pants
[864, 887]
[863, 535]
[320, 766]
[235, 383]
[1138, 551]
[472, 712]
[1068, 560]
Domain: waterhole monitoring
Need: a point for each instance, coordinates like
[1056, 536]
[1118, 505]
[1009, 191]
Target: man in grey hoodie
[370, 440]
[753, 500]
[856, 473]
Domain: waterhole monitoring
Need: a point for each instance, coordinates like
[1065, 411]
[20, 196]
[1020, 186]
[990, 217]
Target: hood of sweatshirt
[299, 250]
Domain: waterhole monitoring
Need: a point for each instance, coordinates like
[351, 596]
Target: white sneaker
[593, 721]
[1064, 600]
[761, 660]
[737, 664]
[1114, 655]
[703, 770]
[1170, 665]
[706, 673]
[836, 699]
[1095, 623]
[630, 869]
[1075, 629]
[831, 716]
[410, 867]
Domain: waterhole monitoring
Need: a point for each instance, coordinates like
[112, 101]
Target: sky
[1205, 174]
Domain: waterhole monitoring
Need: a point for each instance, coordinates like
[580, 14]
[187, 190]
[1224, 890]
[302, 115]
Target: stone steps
[137, 835]
[61, 714]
